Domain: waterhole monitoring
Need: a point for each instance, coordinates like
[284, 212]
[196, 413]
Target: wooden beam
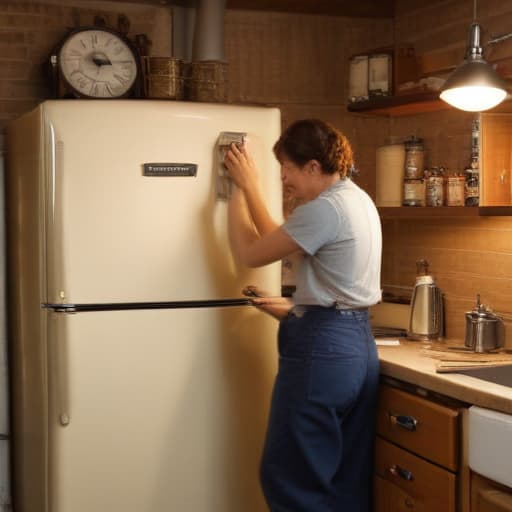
[348, 8]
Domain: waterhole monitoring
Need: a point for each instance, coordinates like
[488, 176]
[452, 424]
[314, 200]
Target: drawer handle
[396, 470]
[407, 422]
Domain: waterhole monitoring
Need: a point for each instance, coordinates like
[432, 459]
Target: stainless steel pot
[484, 329]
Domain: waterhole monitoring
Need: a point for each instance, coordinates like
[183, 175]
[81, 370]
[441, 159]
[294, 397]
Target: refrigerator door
[115, 234]
[158, 410]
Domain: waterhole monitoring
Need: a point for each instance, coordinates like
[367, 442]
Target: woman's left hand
[241, 167]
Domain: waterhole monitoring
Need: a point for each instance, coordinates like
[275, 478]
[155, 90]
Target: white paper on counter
[385, 342]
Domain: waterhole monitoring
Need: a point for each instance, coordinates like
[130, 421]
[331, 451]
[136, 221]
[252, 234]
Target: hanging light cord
[474, 10]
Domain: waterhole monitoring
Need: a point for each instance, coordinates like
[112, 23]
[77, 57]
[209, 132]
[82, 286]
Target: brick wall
[299, 63]
[30, 30]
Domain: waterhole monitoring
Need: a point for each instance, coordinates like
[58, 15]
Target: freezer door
[154, 411]
[115, 234]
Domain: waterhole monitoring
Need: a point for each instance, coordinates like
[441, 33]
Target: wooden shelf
[426, 212]
[400, 105]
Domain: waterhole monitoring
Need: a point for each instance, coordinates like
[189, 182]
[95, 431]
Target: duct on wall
[209, 31]
[198, 41]
[183, 20]
[198, 32]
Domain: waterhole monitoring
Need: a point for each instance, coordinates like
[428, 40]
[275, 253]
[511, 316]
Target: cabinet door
[488, 496]
[428, 487]
[495, 159]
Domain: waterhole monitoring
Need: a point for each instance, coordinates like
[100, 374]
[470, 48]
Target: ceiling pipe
[209, 31]
[183, 20]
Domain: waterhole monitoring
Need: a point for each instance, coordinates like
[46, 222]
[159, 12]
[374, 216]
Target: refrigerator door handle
[58, 367]
[54, 217]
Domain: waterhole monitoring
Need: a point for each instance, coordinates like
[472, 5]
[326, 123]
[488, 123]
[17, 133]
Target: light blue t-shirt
[340, 234]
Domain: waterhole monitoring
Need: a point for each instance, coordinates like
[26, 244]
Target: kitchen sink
[489, 447]
[497, 374]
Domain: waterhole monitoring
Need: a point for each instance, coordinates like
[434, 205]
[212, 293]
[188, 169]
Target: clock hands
[100, 59]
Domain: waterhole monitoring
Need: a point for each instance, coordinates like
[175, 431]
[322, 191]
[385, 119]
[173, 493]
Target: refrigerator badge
[173, 169]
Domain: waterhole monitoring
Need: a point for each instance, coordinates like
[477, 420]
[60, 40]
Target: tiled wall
[467, 256]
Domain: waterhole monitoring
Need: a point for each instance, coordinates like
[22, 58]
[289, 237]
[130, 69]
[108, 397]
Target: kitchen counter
[407, 363]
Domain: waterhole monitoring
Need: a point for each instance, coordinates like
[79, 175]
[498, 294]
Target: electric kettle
[426, 320]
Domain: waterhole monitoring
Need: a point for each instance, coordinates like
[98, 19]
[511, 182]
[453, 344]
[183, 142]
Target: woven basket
[208, 81]
[163, 78]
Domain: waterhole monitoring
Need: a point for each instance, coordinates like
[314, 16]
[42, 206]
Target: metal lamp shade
[474, 86]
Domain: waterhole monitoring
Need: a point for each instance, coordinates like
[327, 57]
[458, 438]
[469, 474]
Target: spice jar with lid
[414, 193]
[455, 190]
[472, 186]
[414, 158]
[434, 195]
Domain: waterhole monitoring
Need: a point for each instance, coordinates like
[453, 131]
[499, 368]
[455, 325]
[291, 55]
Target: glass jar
[455, 185]
[472, 185]
[414, 157]
[434, 189]
[414, 193]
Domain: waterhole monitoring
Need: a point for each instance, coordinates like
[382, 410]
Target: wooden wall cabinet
[417, 460]
[495, 159]
[489, 496]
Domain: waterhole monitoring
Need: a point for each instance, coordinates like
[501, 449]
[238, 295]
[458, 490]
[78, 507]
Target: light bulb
[473, 98]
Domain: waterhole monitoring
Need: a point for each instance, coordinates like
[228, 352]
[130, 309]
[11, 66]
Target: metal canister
[434, 194]
[414, 193]
[414, 158]
[455, 190]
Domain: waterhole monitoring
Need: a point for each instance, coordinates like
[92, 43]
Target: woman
[318, 453]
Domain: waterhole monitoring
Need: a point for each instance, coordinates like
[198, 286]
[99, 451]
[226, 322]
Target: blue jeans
[318, 454]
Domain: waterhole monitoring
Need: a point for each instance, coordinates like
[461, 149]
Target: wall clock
[95, 62]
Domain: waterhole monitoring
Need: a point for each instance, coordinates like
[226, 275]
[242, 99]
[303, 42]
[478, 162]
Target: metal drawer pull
[400, 472]
[407, 422]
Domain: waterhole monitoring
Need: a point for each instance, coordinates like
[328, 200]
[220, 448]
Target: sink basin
[490, 449]
[496, 374]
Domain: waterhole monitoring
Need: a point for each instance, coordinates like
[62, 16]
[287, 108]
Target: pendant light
[474, 85]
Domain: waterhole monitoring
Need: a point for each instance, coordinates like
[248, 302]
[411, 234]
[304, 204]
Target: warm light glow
[473, 98]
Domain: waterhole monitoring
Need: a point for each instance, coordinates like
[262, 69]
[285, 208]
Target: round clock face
[97, 63]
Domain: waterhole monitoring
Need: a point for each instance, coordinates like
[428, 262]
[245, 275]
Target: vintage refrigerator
[141, 377]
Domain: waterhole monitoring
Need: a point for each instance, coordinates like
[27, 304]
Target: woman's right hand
[277, 307]
[241, 167]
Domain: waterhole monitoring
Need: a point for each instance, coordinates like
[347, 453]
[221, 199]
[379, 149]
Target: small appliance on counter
[426, 321]
[485, 331]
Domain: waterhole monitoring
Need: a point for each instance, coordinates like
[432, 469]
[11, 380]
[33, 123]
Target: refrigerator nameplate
[172, 169]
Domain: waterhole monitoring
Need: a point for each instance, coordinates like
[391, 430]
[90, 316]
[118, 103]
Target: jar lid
[414, 142]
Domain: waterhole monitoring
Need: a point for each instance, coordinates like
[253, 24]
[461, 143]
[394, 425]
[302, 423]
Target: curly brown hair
[313, 139]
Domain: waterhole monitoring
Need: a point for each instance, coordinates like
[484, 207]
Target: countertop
[407, 363]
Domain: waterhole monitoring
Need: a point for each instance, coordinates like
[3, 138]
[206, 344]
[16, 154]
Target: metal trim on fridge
[123, 306]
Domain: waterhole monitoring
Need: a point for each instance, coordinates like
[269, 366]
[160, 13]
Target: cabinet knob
[404, 421]
[409, 503]
[398, 471]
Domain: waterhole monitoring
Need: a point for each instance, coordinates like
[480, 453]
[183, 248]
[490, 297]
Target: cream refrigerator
[141, 377]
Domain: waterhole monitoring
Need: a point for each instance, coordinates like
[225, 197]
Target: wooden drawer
[407, 482]
[489, 496]
[419, 425]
